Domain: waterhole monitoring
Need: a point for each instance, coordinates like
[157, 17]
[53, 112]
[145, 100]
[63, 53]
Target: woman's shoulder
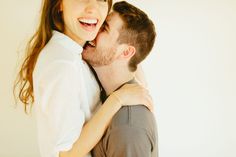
[55, 57]
[61, 47]
[54, 51]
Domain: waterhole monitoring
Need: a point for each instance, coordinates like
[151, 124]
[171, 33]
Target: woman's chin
[88, 35]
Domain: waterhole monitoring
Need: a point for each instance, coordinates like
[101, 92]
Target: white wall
[194, 78]
[17, 131]
[191, 74]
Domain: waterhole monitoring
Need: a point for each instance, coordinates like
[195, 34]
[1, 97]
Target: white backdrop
[191, 74]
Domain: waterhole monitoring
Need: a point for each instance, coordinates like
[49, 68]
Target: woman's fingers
[134, 94]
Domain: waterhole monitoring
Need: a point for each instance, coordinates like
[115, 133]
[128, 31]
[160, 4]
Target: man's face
[106, 47]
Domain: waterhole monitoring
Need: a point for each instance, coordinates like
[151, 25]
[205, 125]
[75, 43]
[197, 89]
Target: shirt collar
[67, 42]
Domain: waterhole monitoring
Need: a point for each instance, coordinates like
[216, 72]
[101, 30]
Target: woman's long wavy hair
[51, 19]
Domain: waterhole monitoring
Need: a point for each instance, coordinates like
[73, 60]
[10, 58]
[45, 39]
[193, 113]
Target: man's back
[132, 133]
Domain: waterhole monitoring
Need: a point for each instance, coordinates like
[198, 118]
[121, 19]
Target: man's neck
[111, 78]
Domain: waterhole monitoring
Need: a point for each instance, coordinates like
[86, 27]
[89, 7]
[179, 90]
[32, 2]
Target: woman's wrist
[115, 100]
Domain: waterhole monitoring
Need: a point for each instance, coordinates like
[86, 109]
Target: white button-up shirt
[66, 94]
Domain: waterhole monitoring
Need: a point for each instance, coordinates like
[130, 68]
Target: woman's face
[83, 18]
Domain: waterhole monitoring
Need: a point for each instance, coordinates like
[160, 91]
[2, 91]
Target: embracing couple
[81, 73]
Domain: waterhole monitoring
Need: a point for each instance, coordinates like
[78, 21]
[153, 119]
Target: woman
[62, 87]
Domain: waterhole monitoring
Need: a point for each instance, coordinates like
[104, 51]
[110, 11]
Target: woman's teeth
[92, 43]
[89, 21]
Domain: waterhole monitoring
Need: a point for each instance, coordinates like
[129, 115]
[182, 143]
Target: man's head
[126, 37]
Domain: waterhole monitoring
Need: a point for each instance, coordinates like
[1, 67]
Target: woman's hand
[134, 94]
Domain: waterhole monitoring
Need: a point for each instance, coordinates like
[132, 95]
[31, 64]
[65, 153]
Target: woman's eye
[102, 0]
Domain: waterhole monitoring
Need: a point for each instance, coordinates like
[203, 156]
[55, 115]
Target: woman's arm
[140, 76]
[94, 129]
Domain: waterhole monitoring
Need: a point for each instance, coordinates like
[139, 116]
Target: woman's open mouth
[88, 24]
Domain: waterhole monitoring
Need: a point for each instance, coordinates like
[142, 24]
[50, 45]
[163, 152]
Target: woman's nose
[92, 6]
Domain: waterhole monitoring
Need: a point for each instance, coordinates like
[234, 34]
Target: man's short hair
[138, 30]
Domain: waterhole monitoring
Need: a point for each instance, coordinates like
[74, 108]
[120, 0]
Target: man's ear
[128, 52]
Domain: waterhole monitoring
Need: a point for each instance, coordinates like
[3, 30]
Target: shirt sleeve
[60, 104]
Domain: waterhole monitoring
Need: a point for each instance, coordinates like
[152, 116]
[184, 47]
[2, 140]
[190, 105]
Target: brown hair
[138, 30]
[51, 19]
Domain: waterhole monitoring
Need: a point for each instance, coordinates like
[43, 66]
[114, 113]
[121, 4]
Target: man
[123, 42]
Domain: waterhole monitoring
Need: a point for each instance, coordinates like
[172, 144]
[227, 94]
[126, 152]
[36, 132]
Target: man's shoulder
[134, 116]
